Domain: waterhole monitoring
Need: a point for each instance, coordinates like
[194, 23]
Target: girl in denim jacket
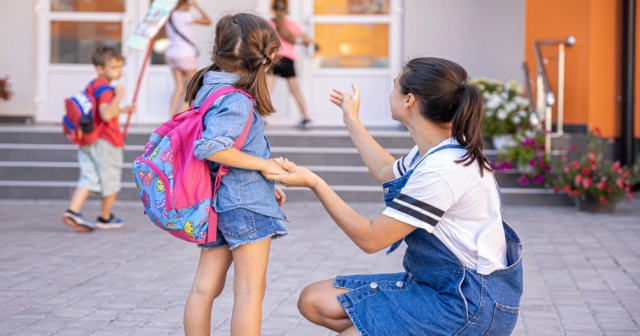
[249, 215]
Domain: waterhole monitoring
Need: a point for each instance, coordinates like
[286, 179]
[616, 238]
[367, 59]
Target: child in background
[101, 162]
[182, 53]
[290, 34]
[249, 216]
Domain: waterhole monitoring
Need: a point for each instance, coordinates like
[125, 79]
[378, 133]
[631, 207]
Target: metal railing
[545, 98]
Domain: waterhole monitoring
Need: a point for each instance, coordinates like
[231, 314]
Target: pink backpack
[174, 185]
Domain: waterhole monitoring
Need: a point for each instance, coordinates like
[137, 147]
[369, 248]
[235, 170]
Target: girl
[289, 33]
[248, 214]
[463, 272]
[182, 53]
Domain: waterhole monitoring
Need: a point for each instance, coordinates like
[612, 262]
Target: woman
[463, 272]
[182, 53]
[290, 33]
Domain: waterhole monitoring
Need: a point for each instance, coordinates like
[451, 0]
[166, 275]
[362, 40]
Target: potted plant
[527, 154]
[5, 89]
[595, 183]
[505, 109]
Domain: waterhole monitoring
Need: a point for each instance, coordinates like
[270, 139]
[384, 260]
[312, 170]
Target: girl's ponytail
[466, 126]
[195, 84]
[245, 44]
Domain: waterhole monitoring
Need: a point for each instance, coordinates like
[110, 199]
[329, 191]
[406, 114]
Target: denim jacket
[223, 124]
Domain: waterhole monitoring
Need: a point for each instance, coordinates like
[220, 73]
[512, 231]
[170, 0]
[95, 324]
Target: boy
[101, 161]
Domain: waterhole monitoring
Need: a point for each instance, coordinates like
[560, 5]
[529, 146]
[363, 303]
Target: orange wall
[552, 19]
[605, 65]
[592, 74]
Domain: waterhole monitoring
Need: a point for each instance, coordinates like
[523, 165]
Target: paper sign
[156, 17]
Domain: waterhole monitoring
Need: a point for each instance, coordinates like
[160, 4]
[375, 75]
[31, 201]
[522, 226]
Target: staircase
[38, 163]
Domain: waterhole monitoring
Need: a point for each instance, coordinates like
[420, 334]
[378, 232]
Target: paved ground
[582, 272]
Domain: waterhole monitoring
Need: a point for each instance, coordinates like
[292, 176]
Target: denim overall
[437, 294]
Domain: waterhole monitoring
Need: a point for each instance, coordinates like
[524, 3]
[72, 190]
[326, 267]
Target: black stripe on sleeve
[415, 214]
[399, 167]
[422, 205]
[404, 164]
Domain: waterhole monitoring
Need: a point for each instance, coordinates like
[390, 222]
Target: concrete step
[334, 175]
[39, 163]
[283, 138]
[61, 190]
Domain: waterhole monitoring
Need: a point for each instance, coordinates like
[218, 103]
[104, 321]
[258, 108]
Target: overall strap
[457, 146]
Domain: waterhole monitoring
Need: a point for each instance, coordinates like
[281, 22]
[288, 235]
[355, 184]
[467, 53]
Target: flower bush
[5, 89]
[591, 175]
[505, 110]
[528, 155]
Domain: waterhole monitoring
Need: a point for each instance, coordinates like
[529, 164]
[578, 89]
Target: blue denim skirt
[241, 226]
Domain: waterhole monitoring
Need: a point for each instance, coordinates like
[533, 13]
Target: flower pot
[500, 141]
[589, 204]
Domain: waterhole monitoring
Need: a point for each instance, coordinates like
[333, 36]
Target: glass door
[68, 33]
[358, 42]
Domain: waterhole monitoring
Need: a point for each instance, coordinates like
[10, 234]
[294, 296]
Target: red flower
[610, 190]
[574, 148]
[566, 170]
[597, 132]
[556, 189]
[585, 171]
[587, 182]
[566, 188]
[620, 183]
[575, 164]
[602, 200]
[578, 180]
[601, 185]
[591, 155]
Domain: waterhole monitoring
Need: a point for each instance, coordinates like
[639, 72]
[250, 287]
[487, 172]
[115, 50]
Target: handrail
[533, 116]
[545, 98]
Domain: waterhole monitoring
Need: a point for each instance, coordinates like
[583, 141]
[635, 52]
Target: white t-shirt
[455, 204]
[183, 21]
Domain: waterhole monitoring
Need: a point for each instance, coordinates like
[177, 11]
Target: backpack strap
[100, 90]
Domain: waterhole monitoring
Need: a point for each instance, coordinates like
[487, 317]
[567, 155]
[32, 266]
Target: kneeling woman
[463, 272]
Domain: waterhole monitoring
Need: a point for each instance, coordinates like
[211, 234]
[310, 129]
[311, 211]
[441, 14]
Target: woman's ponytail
[444, 97]
[466, 126]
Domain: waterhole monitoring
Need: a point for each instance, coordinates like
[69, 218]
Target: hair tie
[461, 86]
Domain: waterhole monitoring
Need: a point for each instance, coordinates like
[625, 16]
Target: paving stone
[582, 272]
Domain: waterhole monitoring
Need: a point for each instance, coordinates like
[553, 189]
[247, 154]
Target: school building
[46, 47]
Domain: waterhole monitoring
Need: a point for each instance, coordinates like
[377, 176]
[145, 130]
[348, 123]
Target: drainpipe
[628, 81]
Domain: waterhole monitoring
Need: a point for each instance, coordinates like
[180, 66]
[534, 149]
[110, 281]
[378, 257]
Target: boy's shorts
[100, 167]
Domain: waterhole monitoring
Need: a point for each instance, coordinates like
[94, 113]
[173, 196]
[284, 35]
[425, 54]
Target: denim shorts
[241, 226]
[100, 167]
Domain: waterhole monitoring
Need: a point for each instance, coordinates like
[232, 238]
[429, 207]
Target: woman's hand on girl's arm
[370, 236]
[294, 176]
[378, 161]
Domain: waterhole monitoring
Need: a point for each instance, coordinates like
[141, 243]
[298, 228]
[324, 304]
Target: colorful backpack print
[79, 123]
[174, 185]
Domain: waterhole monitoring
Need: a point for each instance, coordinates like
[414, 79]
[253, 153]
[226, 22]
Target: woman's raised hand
[350, 105]
[295, 176]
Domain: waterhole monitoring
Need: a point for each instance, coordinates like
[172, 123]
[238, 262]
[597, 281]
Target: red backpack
[80, 124]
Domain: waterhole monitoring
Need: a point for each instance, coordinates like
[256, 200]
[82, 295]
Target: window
[352, 45]
[350, 7]
[74, 41]
[113, 6]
